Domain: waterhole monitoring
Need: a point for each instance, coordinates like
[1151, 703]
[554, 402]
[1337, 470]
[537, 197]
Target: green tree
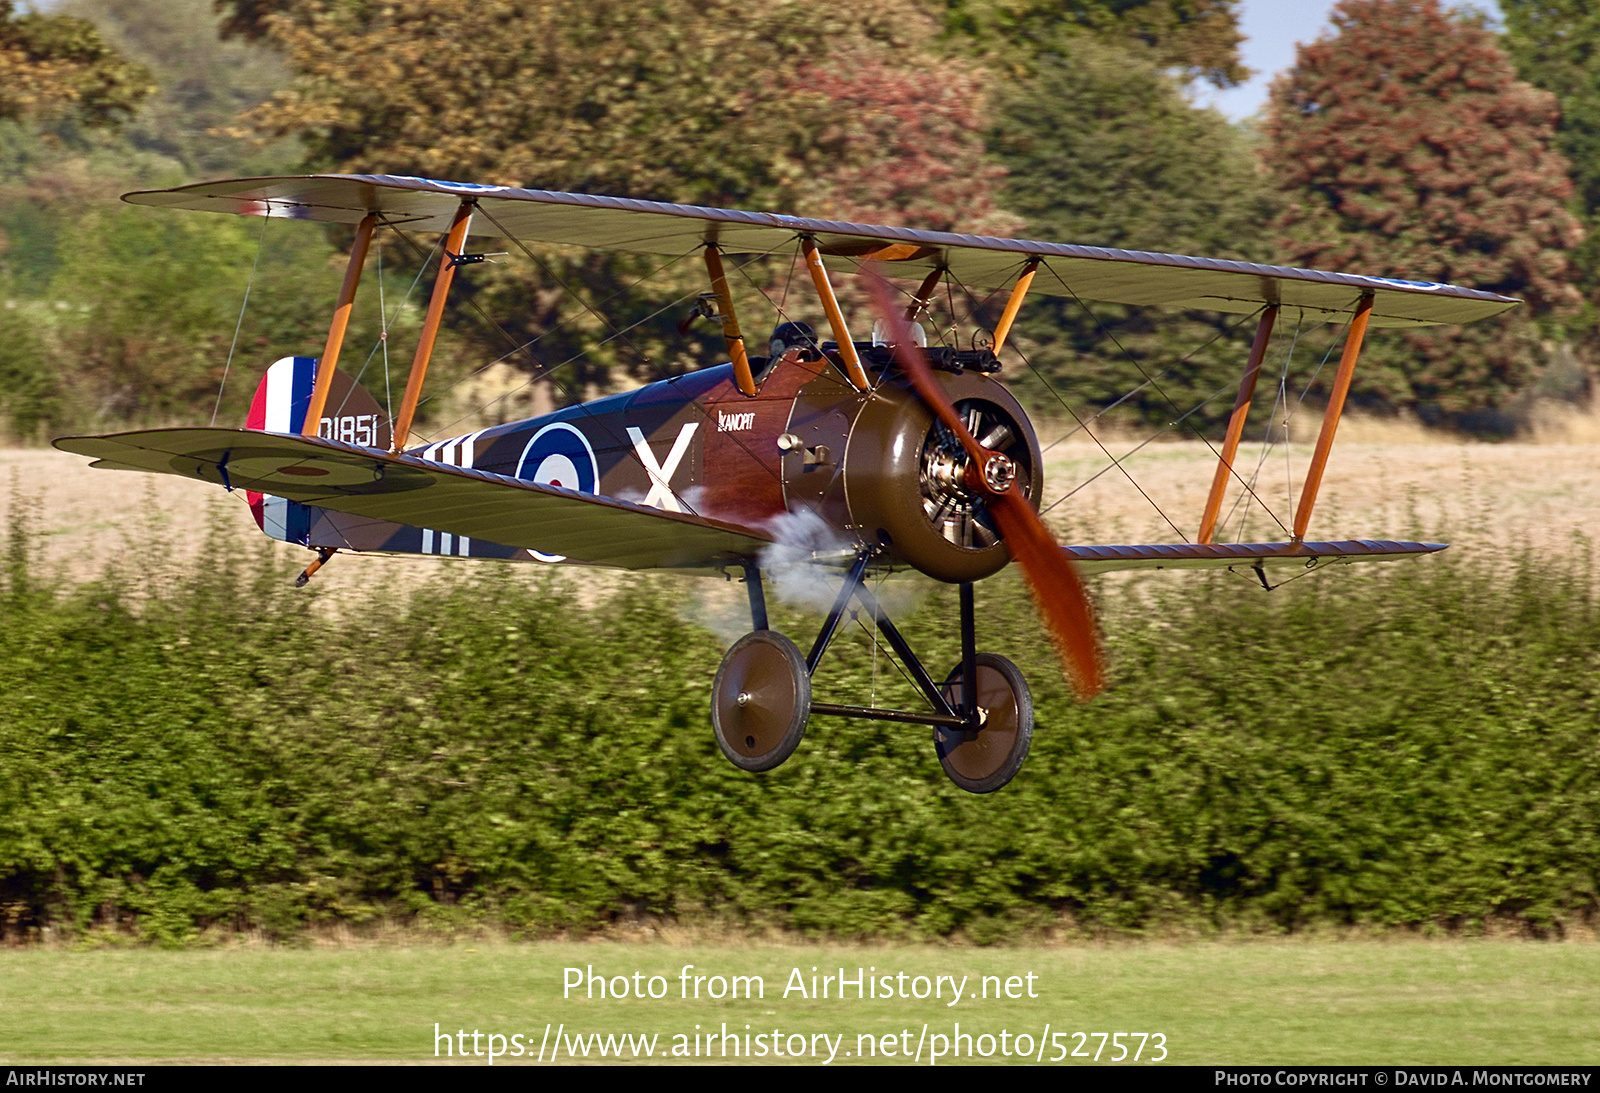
[1404, 144]
[677, 100]
[148, 301]
[1199, 38]
[1102, 148]
[202, 85]
[54, 64]
[106, 315]
[1556, 47]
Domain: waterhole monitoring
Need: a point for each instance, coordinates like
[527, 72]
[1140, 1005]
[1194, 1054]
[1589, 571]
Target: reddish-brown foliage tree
[1405, 145]
[905, 145]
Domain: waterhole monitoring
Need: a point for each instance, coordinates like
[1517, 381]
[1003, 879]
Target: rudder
[282, 399]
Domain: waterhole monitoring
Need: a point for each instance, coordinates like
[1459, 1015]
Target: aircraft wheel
[760, 701]
[985, 760]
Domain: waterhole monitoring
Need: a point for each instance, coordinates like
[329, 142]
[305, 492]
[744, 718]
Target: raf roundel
[559, 455]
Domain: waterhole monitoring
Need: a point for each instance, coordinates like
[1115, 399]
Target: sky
[1272, 28]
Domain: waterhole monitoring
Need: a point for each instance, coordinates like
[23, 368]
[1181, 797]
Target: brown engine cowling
[880, 468]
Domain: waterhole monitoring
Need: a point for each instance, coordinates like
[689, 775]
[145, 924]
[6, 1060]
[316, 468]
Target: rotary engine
[904, 481]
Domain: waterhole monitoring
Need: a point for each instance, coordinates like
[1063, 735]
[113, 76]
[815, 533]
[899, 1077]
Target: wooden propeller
[1057, 590]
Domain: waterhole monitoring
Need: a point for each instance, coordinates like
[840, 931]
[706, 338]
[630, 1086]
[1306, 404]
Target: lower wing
[407, 490]
[1258, 556]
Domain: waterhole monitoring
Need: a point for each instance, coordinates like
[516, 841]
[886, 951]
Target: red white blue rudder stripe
[280, 407]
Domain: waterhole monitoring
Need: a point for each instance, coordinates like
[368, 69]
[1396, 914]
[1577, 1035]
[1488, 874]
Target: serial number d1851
[361, 429]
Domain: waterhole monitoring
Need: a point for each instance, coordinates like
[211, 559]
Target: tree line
[1410, 140]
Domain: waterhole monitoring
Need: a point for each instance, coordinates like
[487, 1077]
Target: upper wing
[655, 227]
[1103, 559]
[408, 490]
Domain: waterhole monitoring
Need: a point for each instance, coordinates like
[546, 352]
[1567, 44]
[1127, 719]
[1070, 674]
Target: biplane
[914, 456]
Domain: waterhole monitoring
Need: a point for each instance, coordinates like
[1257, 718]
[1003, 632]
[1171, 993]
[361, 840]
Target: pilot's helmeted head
[792, 336]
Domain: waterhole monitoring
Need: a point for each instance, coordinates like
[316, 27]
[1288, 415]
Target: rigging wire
[872, 633]
[643, 358]
[1083, 425]
[1143, 443]
[582, 407]
[385, 322]
[527, 346]
[1152, 381]
[1115, 462]
[622, 333]
[1125, 396]
[789, 280]
[1267, 443]
[1279, 398]
[383, 336]
[1289, 414]
[545, 371]
[261, 244]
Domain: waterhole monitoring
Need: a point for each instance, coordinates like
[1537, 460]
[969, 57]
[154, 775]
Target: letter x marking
[661, 495]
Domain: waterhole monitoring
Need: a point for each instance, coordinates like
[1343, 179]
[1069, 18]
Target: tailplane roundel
[351, 415]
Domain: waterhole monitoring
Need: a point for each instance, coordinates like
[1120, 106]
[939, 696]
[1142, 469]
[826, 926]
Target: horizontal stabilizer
[407, 490]
[1103, 559]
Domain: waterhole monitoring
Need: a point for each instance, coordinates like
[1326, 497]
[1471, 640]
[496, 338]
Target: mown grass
[1313, 1002]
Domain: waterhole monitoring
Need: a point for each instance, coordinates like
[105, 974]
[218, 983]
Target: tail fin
[282, 399]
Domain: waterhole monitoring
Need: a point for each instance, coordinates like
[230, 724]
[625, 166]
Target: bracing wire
[1118, 460]
[1084, 424]
[383, 338]
[261, 243]
[1183, 415]
[1289, 414]
[545, 372]
[527, 346]
[386, 321]
[1115, 462]
[1279, 398]
[1128, 394]
[872, 633]
[1153, 382]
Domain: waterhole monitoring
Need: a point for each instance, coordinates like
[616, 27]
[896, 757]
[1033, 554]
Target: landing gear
[762, 694]
[984, 759]
[760, 701]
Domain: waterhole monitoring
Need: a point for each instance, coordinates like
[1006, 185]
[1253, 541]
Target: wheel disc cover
[760, 701]
[979, 755]
[984, 760]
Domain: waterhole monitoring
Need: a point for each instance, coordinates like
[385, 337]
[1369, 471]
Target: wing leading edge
[408, 490]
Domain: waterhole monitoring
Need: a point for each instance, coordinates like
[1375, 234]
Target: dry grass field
[1385, 480]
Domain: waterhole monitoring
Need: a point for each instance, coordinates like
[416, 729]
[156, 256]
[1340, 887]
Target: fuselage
[806, 441]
